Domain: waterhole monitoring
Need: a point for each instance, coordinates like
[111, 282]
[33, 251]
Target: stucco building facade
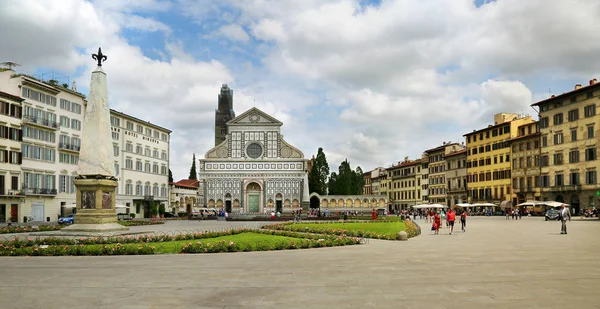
[569, 147]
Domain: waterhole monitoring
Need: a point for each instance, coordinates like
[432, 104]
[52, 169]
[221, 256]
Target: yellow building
[488, 160]
[569, 147]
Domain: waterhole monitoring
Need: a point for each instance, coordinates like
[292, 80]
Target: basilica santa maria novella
[252, 169]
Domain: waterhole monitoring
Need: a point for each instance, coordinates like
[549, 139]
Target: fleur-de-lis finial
[99, 57]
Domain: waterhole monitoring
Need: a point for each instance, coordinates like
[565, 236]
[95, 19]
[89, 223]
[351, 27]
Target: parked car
[552, 214]
[67, 220]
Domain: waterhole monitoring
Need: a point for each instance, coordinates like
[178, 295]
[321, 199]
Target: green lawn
[386, 228]
[248, 238]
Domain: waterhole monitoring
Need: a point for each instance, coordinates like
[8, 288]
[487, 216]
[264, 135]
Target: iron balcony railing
[38, 191]
[67, 146]
[41, 121]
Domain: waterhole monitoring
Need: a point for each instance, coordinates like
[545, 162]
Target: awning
[506, 204]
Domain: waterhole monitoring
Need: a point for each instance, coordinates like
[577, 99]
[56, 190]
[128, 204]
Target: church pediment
[220, 151]
[254, 116]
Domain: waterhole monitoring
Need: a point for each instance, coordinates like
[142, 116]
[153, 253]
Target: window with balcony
[590, 177]
[559, 180]
[574, 179]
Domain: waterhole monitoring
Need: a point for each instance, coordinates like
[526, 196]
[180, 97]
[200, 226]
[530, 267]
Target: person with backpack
[463, 221]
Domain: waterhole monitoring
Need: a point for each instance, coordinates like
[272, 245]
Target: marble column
[96, 182]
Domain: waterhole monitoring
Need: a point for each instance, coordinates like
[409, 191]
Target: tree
[317, 176]
[170, 176]
[347, 181]
[193, 174]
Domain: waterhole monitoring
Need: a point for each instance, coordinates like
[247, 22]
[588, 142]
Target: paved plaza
[495, 264]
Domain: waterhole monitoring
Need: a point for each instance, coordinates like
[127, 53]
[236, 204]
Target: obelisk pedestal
[95, 182]
[305, 204]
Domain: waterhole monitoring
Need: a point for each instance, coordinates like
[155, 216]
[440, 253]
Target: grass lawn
[248, 238]
[385, 228]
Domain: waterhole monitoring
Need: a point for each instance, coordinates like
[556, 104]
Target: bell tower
[223, 113]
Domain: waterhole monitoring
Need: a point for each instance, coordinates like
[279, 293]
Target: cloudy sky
[371, 81]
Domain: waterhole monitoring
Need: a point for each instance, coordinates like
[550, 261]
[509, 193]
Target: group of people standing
[450, 217]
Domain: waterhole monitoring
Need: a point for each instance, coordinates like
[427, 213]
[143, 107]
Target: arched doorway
[314, 202]
[575, 204]
[228, 203]
[253, 197]
[279, 202]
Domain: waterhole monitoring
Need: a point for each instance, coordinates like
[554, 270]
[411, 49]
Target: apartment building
[456, 177]
[488, 160]
[11, 135]
[569, 147]
[377, 175]
[405, 188]
[367, 190]
[525, 154]
[437, 171]
[141, 154]
[423, 177]
[43, 124]
[52, 116]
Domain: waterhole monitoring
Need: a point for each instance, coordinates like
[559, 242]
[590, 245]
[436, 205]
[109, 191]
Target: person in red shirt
[463, 220]
[451, 216]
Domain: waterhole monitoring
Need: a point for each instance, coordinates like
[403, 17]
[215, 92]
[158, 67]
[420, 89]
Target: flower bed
[150, 244]
[28, 229]
[140, 222]
[370, 229]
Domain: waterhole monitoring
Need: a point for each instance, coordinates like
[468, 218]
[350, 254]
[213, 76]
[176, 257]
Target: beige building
[569, 147]
[52, 116]
[141, 156]
[456, 177]
[367, 190]
[437, 171]
[51, 125]
[405, 186]
[11, 136]
[525, 154]
[186, 196]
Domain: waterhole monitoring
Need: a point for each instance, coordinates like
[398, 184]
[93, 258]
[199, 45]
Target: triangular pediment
[254, 116]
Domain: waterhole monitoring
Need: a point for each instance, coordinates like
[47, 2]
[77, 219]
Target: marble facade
[254, 170]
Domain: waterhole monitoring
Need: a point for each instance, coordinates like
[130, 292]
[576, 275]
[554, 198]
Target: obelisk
[305, 204]
[96, 182]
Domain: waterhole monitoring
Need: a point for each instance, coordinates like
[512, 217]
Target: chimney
[443, 143]
[578, 86]
[405, 159]
[553, 96]
[593, 81]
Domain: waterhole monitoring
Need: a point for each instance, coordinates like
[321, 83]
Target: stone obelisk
[305, 204]
[96, 182]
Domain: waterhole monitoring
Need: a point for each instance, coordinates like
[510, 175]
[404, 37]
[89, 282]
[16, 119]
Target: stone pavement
[495, 264]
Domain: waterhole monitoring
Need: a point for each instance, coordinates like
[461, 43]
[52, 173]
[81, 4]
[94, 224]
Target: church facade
[254, 170]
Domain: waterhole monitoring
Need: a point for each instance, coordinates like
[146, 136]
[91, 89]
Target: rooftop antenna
[10, 64]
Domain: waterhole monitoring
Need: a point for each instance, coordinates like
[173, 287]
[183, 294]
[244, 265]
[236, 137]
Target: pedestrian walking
[451, 217]
[437, 223]
[564, 215]
[463, 221]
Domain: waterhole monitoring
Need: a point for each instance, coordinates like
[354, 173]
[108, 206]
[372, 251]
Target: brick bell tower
[223, 113]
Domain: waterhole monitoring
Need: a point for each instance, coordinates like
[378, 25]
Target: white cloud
[234, 32]
[368, 83]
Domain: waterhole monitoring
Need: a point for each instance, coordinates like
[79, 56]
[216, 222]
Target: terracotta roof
[567, 94]
[524, 136]
[188, 183]
[405, 164]
[440, 147]
[456, 152]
